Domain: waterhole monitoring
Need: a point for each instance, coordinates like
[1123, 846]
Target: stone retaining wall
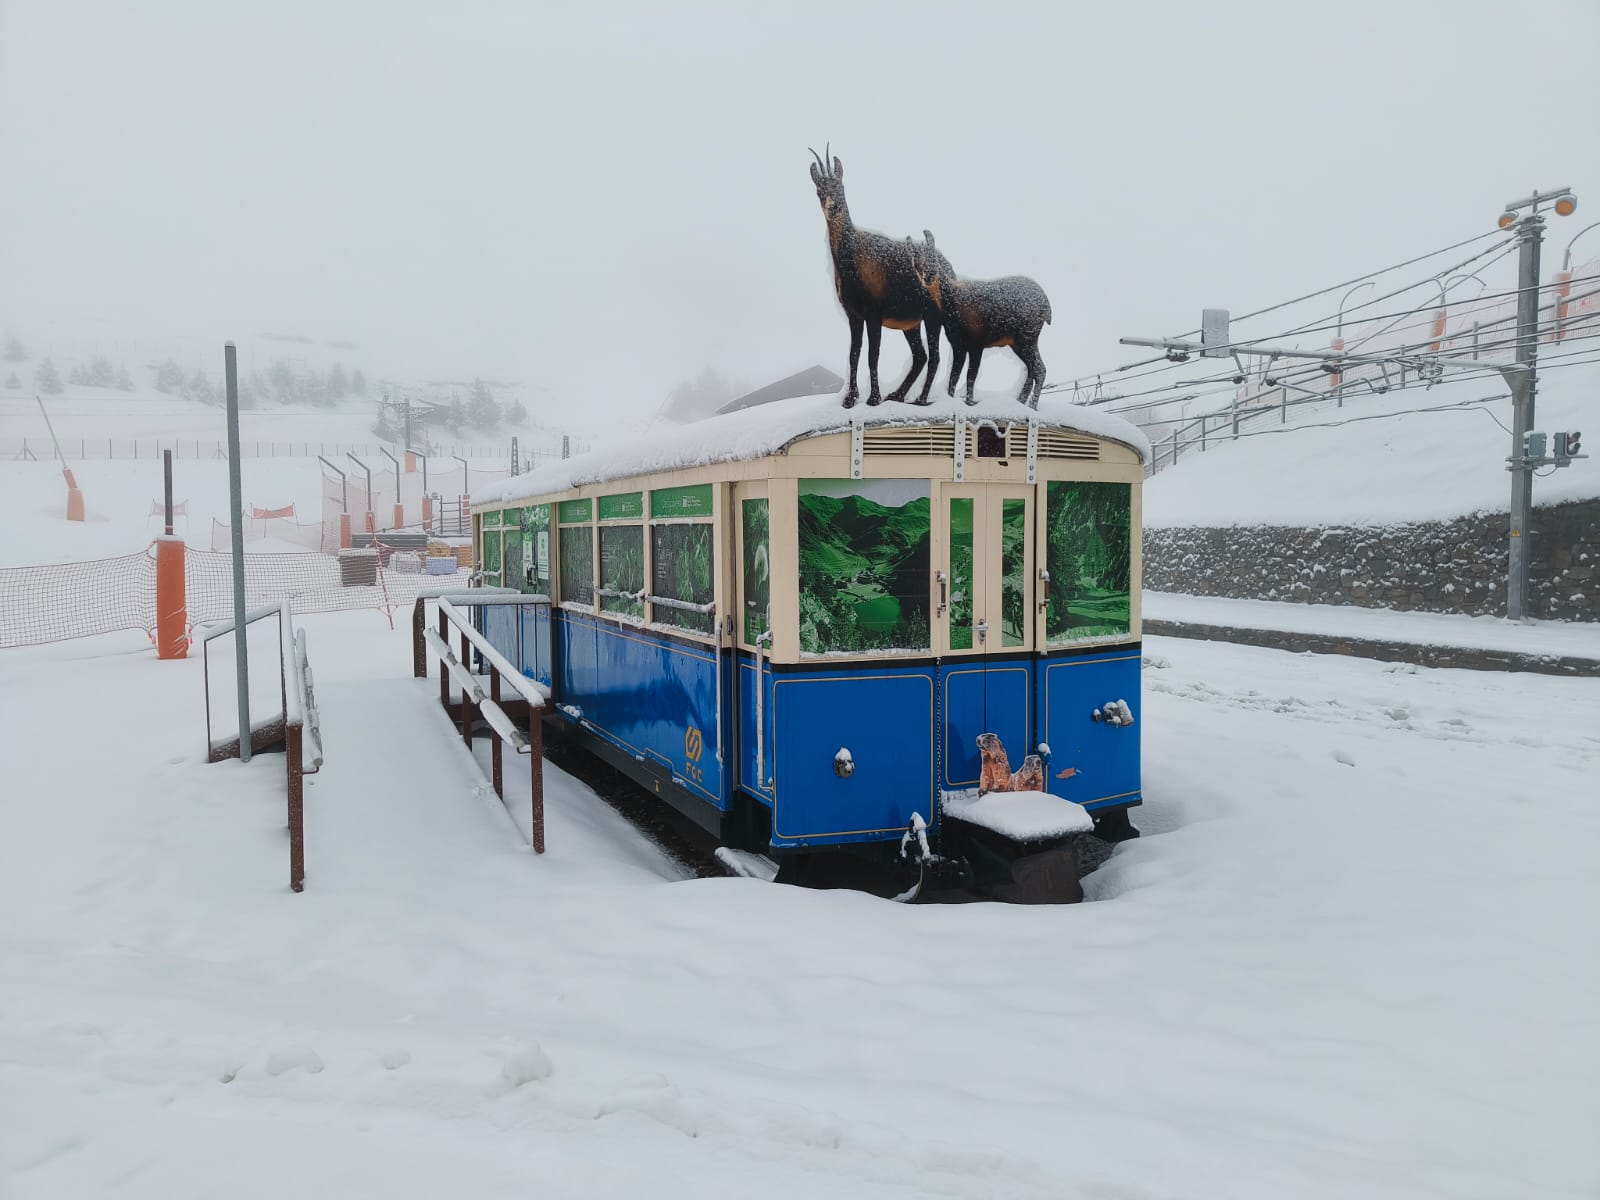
[1449, 567]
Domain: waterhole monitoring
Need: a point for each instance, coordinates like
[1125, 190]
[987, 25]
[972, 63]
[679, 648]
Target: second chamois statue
[878, 286]
[979, 314]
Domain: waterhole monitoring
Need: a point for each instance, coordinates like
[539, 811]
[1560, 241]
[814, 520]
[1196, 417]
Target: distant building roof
[813, 381]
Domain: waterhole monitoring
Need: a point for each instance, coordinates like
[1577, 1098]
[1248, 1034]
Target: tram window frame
[573, 517]
[683, 506]
[532, 524]
[618, 515]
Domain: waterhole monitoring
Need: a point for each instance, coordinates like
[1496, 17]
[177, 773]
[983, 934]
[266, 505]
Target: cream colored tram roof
[768, 428]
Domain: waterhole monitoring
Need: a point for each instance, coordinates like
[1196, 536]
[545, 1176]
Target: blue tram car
[794, 622]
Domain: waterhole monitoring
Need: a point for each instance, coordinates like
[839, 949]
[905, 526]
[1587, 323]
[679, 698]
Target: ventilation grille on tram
[936, 440]
[940, 441]
[1053, 443]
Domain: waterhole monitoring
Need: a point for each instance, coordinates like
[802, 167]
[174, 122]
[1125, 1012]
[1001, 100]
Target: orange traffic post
[427, 512]
[74, 497]
[399, 515]
[172, 608]
[344, 531]
[411, 463]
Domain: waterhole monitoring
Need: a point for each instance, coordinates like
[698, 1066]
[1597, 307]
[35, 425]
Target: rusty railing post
[419, 656]
[466, 698]
[292, 744]
[494, 744]
[444, 673]
[536, 774]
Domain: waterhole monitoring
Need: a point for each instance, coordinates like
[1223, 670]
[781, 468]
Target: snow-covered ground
[1421, 466]
[1380, 624]
[117, 496]
[1354, 955]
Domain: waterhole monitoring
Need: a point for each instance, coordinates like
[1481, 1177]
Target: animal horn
[822, 165]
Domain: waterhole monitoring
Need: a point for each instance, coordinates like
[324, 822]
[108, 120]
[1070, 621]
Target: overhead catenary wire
[1093, 376]
[1453, 354]
[1312, 326]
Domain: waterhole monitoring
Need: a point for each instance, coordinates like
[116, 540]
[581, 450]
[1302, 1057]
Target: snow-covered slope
[1419, 466]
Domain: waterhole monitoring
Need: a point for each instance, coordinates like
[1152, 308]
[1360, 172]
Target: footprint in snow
[525, 1066]
[288, 1060]
[1345, 757]
[393, 1060]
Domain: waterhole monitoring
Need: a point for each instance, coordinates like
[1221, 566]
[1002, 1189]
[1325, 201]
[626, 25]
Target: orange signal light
[1507, 220]
[1567, 205]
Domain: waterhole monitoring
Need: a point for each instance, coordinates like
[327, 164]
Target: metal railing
[496, 710]
[297, 727]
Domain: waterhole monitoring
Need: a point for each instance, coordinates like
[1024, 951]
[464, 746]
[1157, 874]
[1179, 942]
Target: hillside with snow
[1413, 455]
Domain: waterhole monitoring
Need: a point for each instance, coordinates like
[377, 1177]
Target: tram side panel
[1094, 763]
[653, 698]
[536, 657]
[882, 720]
[977, 697]
[754, 773]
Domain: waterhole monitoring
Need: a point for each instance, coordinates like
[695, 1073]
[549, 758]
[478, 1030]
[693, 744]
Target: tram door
[985, 616]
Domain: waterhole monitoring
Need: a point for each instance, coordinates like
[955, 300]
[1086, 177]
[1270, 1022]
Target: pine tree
[516, 415]
[358, 384]
[99, 372]
[482, 410]
[124, 380]
[381, 429]
[13, 382]
[455, 416]
[200, 388]
[281, 376]
[169, 378]
[338, 385]
[14, 349]
[48, 379]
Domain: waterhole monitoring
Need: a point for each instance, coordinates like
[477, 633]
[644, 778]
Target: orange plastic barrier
[172, 609]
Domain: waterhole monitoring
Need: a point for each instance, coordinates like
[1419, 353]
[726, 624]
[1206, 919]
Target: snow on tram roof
[766, 429]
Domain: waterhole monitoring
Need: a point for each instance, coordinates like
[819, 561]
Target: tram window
[535, 550]
[491, 556]
[1088, 556]
[757, 579]
[680, 560]
[864, 554]
[511, 556]
[622, 569]
[991, 442]
[577, 564]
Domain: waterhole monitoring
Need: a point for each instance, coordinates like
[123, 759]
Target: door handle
[944, 581]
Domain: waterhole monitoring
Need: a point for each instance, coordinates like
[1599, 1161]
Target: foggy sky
[607, 198]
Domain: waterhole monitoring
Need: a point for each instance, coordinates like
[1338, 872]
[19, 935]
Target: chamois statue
[878, 285]
[982, 313]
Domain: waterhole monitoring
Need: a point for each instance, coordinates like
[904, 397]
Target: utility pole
[408, 422]
[241, 648]
[1524, 387]
[1524, 384]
